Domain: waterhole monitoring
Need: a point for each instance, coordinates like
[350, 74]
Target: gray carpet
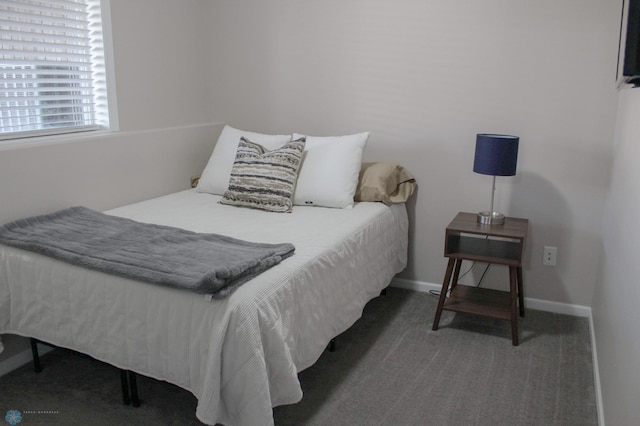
[390, 368]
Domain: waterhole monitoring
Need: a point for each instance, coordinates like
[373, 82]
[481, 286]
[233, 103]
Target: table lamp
[496, 155]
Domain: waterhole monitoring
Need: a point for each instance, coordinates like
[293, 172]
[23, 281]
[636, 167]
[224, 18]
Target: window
[52, 69]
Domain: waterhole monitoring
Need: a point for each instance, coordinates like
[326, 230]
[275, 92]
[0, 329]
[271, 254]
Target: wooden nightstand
[465, 239]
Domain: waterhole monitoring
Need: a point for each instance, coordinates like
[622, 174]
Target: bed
[239, 356]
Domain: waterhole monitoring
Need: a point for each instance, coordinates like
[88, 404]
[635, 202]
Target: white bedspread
[239, 356]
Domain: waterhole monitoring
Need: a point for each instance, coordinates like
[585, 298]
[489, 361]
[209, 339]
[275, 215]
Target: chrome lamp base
[490, 218]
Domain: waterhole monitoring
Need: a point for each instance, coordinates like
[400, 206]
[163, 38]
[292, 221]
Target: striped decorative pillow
[262, 179]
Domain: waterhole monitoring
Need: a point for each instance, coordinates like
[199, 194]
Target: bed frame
[128, 380]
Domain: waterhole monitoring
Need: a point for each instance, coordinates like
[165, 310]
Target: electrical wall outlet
[549, 256]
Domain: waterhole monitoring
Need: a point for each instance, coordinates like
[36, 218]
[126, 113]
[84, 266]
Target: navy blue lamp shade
[496, 155]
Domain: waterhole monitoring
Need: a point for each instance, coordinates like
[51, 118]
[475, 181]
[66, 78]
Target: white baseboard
[596, 373]
[537, 304]
[540, 305]
[20, 359]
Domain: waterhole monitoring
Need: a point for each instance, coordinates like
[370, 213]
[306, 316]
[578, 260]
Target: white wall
[615, 304]
[166, 134]
[424, 77]
[102, 172]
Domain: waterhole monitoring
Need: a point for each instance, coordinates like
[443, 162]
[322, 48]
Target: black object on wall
[629, 47]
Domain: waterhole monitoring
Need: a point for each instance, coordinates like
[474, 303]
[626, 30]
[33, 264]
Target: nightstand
[466, 239]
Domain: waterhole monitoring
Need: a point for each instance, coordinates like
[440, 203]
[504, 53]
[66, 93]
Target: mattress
[239, 356]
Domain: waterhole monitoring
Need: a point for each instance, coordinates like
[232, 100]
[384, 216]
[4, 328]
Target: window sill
[33, 141]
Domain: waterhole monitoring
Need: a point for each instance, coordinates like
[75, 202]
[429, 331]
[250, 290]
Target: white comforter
[239, 356]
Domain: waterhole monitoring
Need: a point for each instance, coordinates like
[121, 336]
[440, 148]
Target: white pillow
[215, 177]
[330, 169]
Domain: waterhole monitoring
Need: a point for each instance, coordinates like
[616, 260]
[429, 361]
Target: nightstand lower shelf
[482, 301]
[479, 301]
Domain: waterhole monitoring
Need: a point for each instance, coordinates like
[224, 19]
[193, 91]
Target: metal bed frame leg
[127, 378]
[332, 345]
[133, 385]
[129, 388]
[36, 357]
[126, 399]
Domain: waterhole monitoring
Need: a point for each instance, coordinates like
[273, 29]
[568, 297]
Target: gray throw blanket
[202, 263]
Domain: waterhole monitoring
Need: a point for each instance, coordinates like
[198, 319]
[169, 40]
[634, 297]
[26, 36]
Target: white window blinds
[52, 70]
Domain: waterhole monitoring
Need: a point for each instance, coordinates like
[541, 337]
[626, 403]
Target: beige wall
[424, 77]
[615, 304]
[159, 63]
